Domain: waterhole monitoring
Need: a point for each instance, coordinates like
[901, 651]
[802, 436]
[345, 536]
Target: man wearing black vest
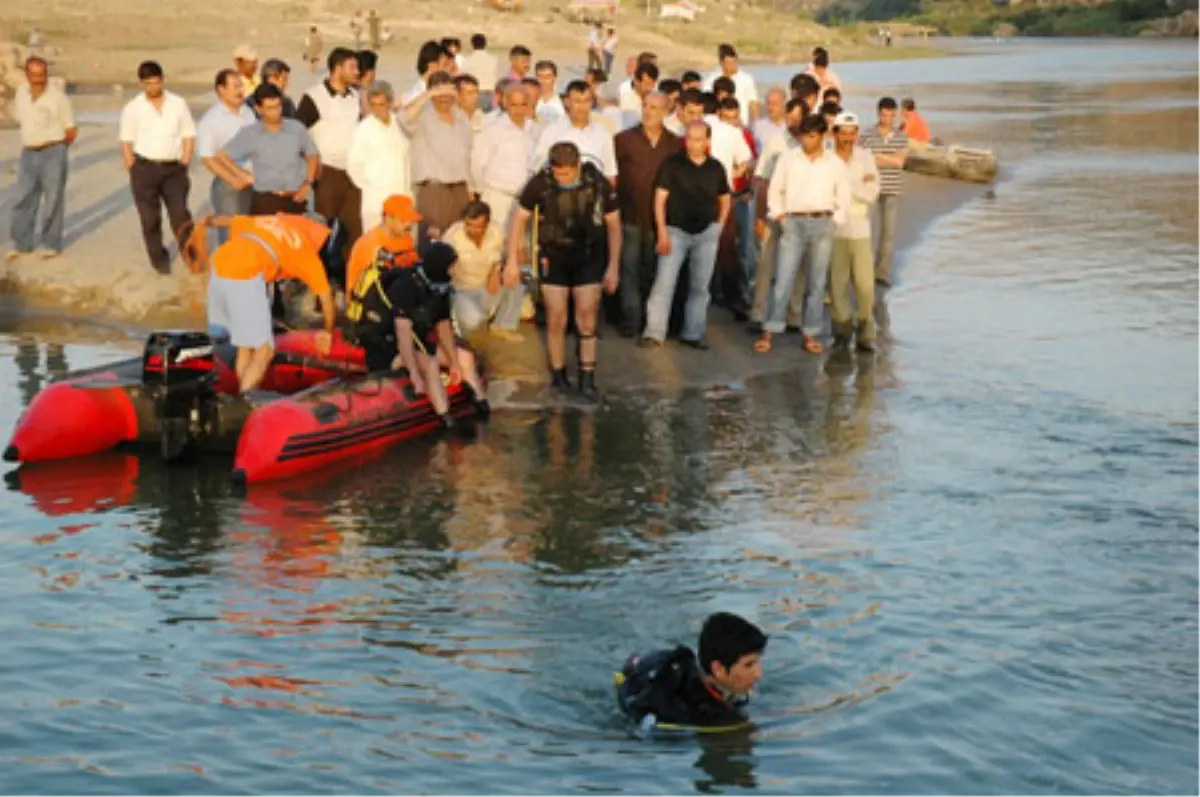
[579, 249]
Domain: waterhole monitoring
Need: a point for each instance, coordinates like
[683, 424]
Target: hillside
[104, 46]
[1025, 17]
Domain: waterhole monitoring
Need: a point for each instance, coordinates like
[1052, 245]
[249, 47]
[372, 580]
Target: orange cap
[400, 208]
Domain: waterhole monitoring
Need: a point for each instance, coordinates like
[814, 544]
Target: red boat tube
[333, 421]
[101, 408]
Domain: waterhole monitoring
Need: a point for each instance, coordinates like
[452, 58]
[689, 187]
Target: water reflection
[28, 358]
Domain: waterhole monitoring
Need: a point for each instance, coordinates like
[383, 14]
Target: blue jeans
[801, 236]
[703, 250]
[41, 180]
[226, 201]
[747, 244]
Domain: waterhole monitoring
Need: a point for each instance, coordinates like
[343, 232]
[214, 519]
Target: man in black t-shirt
[579, 248]
[691, 204]
[406, 324]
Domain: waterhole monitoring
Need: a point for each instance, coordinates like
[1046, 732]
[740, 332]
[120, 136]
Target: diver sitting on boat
[402, 320]
[678, 690]
[261, 251]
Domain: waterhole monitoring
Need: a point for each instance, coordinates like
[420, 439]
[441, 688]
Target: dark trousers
[338, 198]
[155, 184]
[268, 204]
[727, 277]
[638, 266]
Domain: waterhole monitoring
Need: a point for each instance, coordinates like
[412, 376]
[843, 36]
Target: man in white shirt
[809, 195]
[380, 152]
[853, 260]
[216, 128]
[157, 136]
[47, 130]
[549, 107]
[627, 98]
[500, 156]
[768, 231]
[331, 110]
[483, 66]
[429, 60]
[746, 90]
[645, 80]
[729, 147]
[594, 141]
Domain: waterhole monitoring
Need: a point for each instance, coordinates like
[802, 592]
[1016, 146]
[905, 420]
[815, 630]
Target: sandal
[812, 345]
[763, 344]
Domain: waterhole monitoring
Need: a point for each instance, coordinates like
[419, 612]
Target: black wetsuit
[670, 685]
[405, 295]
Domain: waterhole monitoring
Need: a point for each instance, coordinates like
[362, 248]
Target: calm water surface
[977, 556]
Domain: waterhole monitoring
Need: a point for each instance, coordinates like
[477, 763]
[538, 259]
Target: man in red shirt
[739, 245]
[914, 124]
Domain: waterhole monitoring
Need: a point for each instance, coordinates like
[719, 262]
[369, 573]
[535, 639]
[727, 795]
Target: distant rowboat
[952, 162]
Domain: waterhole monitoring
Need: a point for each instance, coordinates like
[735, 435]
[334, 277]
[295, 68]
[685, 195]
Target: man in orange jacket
[262, 250]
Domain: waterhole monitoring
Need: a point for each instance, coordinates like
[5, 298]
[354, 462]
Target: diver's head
[439, 262]
[565, 163]
[731, 650]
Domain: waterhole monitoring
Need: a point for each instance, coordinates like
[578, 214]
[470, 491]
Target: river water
[977, 556]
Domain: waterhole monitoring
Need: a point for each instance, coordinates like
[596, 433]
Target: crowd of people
[678, 192]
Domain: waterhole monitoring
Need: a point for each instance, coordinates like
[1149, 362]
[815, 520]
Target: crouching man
[405, 323]
[262, 250]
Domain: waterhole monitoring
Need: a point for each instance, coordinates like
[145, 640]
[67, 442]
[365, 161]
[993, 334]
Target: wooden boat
[952, 162]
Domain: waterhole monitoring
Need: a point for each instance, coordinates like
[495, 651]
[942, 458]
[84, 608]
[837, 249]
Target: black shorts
[379, 351]
[572, 270]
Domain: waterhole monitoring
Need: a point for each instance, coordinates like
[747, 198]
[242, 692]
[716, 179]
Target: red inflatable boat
[181, 396]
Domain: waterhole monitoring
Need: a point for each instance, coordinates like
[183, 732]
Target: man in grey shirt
[441, 152]
[281, 153]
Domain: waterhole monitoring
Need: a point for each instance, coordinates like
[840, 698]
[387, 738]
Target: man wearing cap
[245, 61]
[261, 251]
[852, 259]
[396, 234]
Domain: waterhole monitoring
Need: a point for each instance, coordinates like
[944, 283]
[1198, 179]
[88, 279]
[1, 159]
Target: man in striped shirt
[890, 148]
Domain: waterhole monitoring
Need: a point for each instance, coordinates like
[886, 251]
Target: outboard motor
[178, 368]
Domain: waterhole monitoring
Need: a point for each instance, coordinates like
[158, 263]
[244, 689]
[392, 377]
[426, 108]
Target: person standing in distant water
[595, 33]
[380, 155]
[280, 152]
[890, 148]
[609, 49]
[313, 46]
[245, 61]
[157, 136]
[330, 110]
[373, 24]
[482, 65]
[228, 115]
[47, 130]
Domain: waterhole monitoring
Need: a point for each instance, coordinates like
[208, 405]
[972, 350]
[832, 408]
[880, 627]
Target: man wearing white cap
[852, 259]
[245, 61]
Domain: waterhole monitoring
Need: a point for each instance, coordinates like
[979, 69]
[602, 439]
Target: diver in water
[402, 320]
[680, 690]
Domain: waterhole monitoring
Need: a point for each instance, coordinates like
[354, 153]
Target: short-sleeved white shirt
[155, 134]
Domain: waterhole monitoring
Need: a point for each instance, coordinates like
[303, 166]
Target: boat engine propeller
[178, 367]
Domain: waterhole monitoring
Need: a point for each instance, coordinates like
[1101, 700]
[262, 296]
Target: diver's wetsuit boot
[559, 381]
[587, 384]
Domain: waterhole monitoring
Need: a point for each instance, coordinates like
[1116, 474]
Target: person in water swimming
[680, 689]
